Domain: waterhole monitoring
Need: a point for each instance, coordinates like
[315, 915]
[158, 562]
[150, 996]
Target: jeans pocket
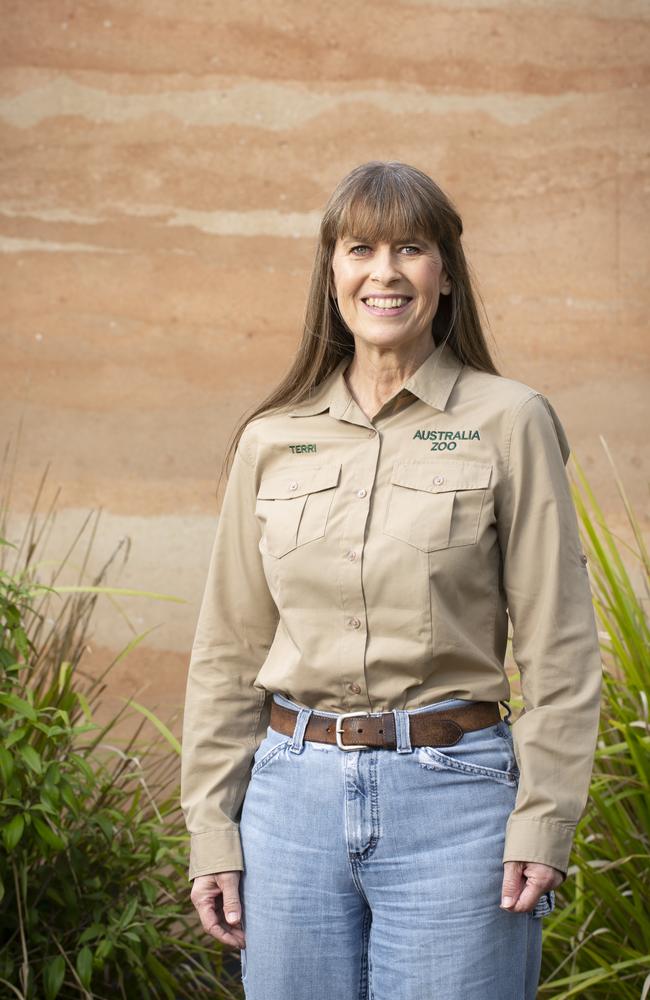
[544, 905]
[269, 749]
[484, 753]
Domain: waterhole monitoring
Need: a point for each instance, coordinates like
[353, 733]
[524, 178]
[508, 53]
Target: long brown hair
[378, 201]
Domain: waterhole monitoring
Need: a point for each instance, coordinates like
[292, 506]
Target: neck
[374, 376]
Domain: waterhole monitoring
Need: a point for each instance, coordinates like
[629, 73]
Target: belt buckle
[339, 731]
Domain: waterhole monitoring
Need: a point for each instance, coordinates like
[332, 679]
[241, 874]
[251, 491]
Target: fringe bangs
[380, 207]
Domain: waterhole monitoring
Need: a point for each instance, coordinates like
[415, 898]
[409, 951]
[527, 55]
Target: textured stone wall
[163, 170]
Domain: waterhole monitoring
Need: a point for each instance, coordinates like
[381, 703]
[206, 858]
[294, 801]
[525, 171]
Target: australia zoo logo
[446, 440]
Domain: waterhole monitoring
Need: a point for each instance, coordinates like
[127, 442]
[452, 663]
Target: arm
[555, 640]
[225, 715]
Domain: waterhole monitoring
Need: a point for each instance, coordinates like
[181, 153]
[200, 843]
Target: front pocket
[484, 753]
[544, 905]
[436, 505]
[293, 506]
[268, 750]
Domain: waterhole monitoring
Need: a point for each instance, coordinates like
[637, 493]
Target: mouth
[386, 305]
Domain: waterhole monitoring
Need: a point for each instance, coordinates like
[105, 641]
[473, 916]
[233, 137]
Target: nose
[384, 269]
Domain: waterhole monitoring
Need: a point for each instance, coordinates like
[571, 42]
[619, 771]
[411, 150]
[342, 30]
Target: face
[388, 293]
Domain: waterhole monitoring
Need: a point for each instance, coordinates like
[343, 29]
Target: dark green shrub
[93, 855]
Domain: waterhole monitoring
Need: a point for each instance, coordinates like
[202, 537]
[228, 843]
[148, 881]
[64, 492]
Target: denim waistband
[448, 703]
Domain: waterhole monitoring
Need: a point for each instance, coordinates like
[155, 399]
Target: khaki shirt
[371, 564]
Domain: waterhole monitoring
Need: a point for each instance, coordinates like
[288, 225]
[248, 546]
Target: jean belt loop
[298, 740]
[506, 705]
[402, 731]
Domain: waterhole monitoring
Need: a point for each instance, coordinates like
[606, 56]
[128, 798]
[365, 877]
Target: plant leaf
[158, 723]
[53, 974]
[6, 765]
[84, 966]
[13, 831]
[31, 758]
[19, 706]
[47, 834]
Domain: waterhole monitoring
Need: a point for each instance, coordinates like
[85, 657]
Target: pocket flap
[287, 483]
[442, 476]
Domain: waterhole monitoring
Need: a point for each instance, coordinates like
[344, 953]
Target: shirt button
[293, 485]
[354, 623]
[351, 555]
[354, 688]
[438, 480]
[583, 559]
[361, 493]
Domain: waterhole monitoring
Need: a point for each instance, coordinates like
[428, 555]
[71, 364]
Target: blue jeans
[376, 874]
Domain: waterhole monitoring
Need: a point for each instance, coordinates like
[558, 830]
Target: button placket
[351, 589]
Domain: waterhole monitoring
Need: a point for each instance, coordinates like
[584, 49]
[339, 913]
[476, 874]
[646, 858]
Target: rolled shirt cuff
[544, 841]
[215, 851]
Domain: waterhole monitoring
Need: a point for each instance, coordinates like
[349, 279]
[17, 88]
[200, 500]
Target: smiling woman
[398, 206]
[364, 822]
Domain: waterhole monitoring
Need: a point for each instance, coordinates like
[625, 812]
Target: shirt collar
[432, 382]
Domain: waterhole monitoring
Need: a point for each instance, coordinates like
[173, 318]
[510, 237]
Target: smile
[386, 306]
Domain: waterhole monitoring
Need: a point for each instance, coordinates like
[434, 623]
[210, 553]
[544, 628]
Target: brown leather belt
[360, 730]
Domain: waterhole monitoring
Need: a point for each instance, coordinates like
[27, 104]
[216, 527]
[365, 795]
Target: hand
[524, 882]
[216, 900]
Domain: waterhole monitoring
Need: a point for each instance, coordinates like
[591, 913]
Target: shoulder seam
[515, 413]
[241, 449]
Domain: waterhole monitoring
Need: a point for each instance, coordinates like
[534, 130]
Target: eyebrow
[363, 239]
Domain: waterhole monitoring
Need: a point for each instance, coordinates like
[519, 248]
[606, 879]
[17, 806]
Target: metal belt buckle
[339, 731]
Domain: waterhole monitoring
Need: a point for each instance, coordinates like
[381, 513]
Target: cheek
[343, 283]
[429, 285]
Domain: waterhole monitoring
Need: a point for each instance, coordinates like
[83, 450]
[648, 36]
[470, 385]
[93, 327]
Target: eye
[411, 246]
[359, 246]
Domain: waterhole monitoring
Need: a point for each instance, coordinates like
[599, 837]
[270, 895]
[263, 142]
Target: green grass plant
[93, 848]
[597, 942]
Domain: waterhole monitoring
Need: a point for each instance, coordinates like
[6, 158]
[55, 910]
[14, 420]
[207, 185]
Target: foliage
[93, 853]
[597, 943]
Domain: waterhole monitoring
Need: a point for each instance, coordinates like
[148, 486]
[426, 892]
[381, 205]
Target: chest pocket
[293, 505]
[436, 505]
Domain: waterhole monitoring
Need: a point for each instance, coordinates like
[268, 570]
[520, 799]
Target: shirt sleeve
[225, 714]
[555, 639]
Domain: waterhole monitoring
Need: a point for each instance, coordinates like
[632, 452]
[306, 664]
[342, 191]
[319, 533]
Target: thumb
[231, 903]
[513, 883]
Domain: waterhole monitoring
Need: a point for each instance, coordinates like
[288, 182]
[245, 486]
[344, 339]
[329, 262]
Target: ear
[445, 283]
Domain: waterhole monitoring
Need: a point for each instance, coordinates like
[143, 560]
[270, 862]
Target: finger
[513, 883]
[231, 903]
[213, 925]
[529, 897]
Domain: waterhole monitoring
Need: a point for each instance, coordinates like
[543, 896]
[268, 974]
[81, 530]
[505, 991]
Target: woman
[364, 823]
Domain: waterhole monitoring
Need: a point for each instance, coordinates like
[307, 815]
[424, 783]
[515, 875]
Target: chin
[388, 338]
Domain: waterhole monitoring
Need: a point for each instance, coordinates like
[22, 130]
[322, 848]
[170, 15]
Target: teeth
[386, 303]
